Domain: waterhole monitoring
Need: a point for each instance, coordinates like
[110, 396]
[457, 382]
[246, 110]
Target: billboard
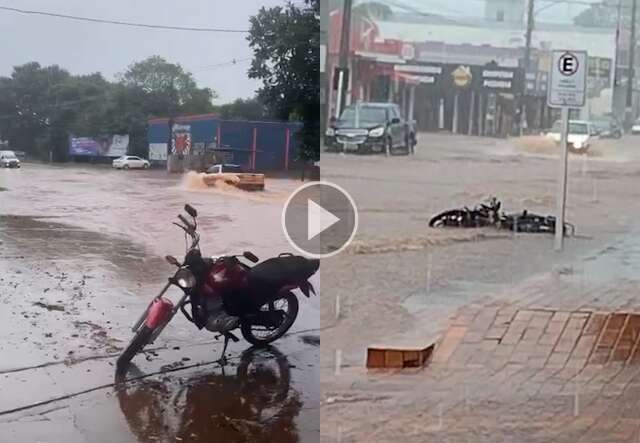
[157, 151]
[181, 139]
[101, 146]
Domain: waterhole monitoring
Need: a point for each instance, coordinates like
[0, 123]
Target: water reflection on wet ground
[251, 402]
[80, 256]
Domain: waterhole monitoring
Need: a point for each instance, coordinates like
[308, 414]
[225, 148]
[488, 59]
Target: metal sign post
[562, 180]
[339, 94]
[567, 89]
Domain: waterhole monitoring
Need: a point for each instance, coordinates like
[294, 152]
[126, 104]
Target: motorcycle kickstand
[223, 359]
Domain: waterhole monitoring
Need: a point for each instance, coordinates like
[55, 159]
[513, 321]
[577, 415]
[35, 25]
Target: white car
[130, 162]
[635, 129]
[581, 134]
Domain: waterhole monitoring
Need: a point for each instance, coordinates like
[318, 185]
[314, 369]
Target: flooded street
[407, 281]
[80, 257]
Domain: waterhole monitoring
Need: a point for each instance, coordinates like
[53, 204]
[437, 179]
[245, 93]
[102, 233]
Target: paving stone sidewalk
[506, 372]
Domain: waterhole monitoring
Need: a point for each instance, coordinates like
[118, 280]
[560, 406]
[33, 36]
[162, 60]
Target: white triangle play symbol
[318, 219]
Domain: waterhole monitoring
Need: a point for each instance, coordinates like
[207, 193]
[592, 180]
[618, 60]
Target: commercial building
[466, 75]
[255, 145]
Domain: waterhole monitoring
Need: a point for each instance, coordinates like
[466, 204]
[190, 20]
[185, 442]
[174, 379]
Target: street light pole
[527, 56]
[632, 50]
[343, 62]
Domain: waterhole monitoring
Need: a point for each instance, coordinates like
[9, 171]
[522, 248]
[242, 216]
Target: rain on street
[80, 257]
[406, 281]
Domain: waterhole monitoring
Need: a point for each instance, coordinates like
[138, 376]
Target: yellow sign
[462, 76]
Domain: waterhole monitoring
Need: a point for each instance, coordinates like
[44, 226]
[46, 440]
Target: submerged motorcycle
[489, 214]
[226, 294]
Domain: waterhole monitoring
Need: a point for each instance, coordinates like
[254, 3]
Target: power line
[121, 23]
[219, 65]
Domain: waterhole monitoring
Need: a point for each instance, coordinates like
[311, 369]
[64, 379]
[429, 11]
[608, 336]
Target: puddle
[254, 402]
[48, 240]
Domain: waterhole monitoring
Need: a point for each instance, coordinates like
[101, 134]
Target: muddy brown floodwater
[407, 282]
[80, 257]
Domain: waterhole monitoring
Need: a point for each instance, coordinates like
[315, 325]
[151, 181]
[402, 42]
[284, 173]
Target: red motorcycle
[225, 294]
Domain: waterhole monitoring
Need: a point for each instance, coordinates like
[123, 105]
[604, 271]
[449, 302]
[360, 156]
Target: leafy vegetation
[41, 106]
[285, 42]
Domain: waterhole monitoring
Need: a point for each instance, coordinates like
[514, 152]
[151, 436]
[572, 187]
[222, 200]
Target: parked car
[8, 159]
[234, 175]
[580, 136]
[371, 127]
[130, 162]
[607, 127]
[635, 128]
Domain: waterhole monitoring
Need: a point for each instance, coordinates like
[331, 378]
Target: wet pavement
[409, 283]
[80, 257]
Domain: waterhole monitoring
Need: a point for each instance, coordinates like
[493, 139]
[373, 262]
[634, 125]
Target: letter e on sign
[568, 64]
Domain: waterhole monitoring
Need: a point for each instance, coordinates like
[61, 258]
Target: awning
[411, 79]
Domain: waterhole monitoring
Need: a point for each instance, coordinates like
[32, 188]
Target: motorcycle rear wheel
[137, 343]
[247, 328]
[448, 218]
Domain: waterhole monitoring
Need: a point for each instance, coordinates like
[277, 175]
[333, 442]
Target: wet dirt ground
[405, 281]
[80, 257]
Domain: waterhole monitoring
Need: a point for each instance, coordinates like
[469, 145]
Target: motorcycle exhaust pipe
[143, 317]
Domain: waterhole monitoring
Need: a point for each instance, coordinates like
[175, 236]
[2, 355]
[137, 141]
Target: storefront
[455, 97]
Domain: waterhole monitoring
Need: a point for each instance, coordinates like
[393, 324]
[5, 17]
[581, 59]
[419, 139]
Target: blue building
[255, 145]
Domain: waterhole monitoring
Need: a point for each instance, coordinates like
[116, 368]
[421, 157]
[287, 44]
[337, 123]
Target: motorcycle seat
[277, 272]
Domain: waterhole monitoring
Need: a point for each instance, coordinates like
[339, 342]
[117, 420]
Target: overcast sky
[559, 13]
[82, 47]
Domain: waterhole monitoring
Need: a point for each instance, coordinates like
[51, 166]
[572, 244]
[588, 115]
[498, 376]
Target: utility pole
[343, 62]
[632, 59]
[170, 124]
[527, 57]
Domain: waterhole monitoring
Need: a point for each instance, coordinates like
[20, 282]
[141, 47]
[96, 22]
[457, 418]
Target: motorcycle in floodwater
[489, 214]
[226, 294]
[478, 217]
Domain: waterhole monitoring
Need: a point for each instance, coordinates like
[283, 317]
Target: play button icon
[319, 219]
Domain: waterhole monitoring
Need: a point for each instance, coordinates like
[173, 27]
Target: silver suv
[8, 159]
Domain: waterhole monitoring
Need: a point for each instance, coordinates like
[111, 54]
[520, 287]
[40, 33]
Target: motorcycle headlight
[377, 132]
[185, 279]
[330, 132]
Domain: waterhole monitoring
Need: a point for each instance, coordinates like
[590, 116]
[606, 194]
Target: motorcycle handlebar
[186, 222]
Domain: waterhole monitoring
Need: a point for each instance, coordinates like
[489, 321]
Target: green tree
[125, 113]
[40, 107]
[603, 14]
[245, 109]
[168, 88]
[285, 42]
[31, 105]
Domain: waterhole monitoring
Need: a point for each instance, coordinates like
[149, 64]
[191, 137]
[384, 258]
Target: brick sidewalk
[505, 373]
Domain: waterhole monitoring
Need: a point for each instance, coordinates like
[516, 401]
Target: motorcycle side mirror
[250, 256]
[191, 210]
[172, 260]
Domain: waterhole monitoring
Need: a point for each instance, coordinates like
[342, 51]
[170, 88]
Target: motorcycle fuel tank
[225, 275]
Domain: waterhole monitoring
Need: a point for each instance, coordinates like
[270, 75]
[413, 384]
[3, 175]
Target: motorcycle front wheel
[137, 343]
[259, 335]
